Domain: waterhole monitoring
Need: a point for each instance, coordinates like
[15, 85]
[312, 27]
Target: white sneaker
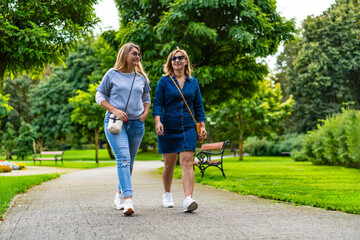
[128, 207]
[190, 204]
[168, 200]
[119, 201]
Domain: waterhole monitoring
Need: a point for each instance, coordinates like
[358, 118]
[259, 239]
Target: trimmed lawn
[71, 164]
[89, 155]
[10, 186]
[280, 178]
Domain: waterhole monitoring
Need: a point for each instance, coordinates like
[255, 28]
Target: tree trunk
[8, 155]
[97, 144]
[109, 149]
[241, 147]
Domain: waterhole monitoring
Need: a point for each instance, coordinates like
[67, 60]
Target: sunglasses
[136, 54]
[180, 58]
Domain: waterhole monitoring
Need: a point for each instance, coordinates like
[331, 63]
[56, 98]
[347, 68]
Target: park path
[79, 205]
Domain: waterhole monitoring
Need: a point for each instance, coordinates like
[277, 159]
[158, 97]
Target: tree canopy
[222, 37]
[323, 68]
[34, 33]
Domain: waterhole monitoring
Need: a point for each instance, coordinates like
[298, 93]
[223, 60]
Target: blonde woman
[175, 126]
[124, 91]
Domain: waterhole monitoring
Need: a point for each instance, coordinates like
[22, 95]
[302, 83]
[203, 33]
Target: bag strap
[183, 98]
[130, 91]
[115, 118]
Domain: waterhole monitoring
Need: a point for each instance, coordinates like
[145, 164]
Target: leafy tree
[260, 115]
[5, 108]
[51, 108]
[24, 142]
[8, 139]
[88, 113]
[323, 73]
[50, 104]
[34, 33]
[222, 37]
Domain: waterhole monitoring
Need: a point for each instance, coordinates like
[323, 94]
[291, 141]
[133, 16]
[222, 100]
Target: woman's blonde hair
[121, 63]
[168, 69]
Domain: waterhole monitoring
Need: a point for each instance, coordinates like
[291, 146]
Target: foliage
[279, 178]
[34, 33]
[4, 168]
[260, 115]
[8, 139]
[50, 105]
[11, 186]
[336, 142]
[223, 48]
[322, 69]
[24, 141]
[5, 108]
[51, 109]
[86, 111]
[264, 147]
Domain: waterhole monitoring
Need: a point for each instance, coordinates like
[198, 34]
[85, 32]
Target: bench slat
[52, 153]
[47, 158]
[212, 146]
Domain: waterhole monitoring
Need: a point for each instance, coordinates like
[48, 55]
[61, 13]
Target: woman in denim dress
[125, 86]
[175, 126]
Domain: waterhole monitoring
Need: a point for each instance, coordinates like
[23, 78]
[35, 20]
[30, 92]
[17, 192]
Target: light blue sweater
[115, 88]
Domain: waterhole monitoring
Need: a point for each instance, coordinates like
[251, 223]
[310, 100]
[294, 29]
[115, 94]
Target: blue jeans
[125, 146]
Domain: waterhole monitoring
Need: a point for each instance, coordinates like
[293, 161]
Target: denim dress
[179, 127]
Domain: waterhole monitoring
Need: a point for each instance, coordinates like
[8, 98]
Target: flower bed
[12, 166]
[4, 168]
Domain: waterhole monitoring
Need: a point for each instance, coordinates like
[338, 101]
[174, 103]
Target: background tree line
[319, 69]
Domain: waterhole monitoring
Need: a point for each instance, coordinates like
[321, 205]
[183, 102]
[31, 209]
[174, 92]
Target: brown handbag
[198, 130]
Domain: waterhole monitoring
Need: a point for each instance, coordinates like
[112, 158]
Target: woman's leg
[188, 177]
[135, 131]
[120, 146]
[168, 171]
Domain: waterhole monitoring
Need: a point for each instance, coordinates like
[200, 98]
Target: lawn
[280, 178]
[10, 186]
[89, 155]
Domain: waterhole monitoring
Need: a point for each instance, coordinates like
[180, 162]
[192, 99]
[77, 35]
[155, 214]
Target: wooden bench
[204, 161]
[57, 156]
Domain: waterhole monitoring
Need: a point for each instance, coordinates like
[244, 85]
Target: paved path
[79, 205]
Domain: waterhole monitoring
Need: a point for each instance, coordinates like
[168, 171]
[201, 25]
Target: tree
[326, 69]
[88, 113]
[5, 108]
[34, 33]
[260, 115]
[8, 140]
[24, 141]
[51, 109]
[222, 37]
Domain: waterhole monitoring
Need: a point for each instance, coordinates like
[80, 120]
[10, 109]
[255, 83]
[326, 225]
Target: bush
[4, 168]
[335, 142]
[263, 147]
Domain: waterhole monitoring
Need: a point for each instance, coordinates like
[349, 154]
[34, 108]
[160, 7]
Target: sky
[298, 9]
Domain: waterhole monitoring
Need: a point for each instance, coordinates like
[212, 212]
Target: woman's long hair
[168, 69]
[121, 63]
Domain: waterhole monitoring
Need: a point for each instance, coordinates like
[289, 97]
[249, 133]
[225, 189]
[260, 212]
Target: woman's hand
[143, 117]
[159, 128]
[120, 114]
[203, 133]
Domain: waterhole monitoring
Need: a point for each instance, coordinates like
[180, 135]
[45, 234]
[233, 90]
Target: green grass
[89, 155]
[71, 164]
[280, 178]
[10, 186]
